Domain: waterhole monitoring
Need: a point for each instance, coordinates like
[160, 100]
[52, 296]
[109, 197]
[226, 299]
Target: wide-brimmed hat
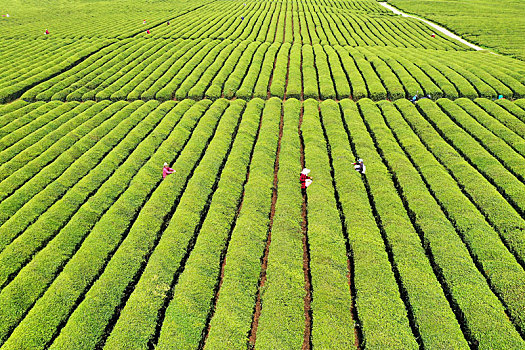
[165, 164]
[360, 160]
[305, 171]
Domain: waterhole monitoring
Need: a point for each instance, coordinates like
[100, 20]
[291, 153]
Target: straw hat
[165, 164]
[305, 171]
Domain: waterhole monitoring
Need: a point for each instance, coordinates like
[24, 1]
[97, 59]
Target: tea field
[494, 24]
[426, 250]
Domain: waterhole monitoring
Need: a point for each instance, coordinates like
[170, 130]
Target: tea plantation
[425, 250]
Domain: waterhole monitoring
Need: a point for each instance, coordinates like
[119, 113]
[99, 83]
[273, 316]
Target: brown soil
[352, 307]
[264, 264]
[307, 284]
[223, 264]
[307, 345]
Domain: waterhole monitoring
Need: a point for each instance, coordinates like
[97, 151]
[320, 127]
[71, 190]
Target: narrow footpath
[435, 26]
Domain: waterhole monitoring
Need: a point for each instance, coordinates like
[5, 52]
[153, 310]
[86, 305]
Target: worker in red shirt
[305, 180]
[166, 170]
[46, 32]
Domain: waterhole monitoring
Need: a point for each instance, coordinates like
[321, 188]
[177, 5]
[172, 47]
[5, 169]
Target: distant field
[499, 25]
[426, 250]
[83, 19]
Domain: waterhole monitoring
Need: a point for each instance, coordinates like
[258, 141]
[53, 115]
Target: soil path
[264, 265]
[433, 25]
[307, 343]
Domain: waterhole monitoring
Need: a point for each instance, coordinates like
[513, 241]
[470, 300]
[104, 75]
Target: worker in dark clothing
[305, 180]
[359, 166]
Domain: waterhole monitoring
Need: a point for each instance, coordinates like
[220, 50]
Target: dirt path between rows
[225, 250]
[433, 25]
[307, 343]
[264, 264]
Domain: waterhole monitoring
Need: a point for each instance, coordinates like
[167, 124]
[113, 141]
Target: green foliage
[512, 108]
[27, 123]
[261, 87]
[34, 278]
[214, 91]
[377, 294]
[486, 197]
[22, 76]
[484, 22]
[250, 79]
[56, 214]
[331, 299]
[159, 147]
[373, 83]
[510, 187]
[236, 77]
[279, 74]
[339, 75]
[19, 154]
[310, 81]
[31, 181]
[92, 255]
[231, 323]
[294, 86]
[482, 241]
[193, 297]
[389, 80]
[127, 261]
[167, 92]
[204, 60]
[97, 250]
[499, 149]
[412, 254]
[282, 319]
[510, 121]
[326, 85]
[492, 124]
[200, 61]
